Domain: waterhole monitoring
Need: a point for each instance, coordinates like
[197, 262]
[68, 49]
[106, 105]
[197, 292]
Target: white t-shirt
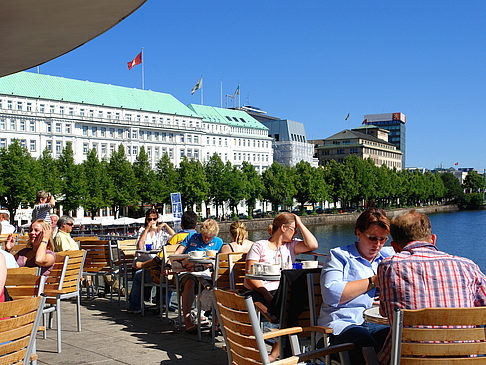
[157, 241]
[261, 252]
[9, 259]
[7, 228]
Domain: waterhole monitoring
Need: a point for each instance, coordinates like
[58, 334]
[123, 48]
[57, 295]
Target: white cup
[257, 269]
[196, 254]
[271, 269]
[309, 264]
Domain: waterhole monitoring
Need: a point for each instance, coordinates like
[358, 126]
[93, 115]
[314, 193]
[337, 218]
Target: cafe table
[373, 315]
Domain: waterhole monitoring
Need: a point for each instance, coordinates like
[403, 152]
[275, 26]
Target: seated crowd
[411, 274]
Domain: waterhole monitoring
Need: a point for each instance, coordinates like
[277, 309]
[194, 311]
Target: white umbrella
[124, 221]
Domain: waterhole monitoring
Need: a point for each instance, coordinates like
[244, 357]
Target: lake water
[459, 233]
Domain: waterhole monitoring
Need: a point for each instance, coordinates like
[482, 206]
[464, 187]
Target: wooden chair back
[439, 336]
[18, 328]
[169, 250]
[315, 296]
[74, 270]
[229, 271]
[55, 280]
[24, 282]
[238, 330]
[98, 256]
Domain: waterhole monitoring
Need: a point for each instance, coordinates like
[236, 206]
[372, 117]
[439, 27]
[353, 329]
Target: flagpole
[143, 59]
[221, 105]
[202, 88]
[239, 96]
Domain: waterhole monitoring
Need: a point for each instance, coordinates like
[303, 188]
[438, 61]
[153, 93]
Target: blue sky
[314, 62]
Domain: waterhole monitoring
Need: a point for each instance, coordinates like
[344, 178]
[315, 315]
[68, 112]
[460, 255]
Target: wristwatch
[371, 284]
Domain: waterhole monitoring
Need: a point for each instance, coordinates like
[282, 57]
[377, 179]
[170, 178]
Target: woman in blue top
[348, 282]
[206, 240]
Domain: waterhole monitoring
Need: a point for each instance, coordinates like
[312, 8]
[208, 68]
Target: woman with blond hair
[40, 248]
[206, 240]
[239, 235]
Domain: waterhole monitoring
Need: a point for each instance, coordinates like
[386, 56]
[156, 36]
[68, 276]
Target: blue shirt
[346, 264]
[194, 242]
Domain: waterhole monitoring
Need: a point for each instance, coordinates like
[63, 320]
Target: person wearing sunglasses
[348, 285]
[63, 240]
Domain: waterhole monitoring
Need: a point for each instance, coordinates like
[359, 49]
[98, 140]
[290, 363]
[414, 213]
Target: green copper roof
[41, 86]
[237, 118]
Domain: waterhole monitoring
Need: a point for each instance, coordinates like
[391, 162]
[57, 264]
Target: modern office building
[373, 143]
[47, 112]
[290, 144]
[395, 124]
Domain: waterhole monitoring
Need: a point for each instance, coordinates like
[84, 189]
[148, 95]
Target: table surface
[202, 260]
[373, 315]
[148, 252]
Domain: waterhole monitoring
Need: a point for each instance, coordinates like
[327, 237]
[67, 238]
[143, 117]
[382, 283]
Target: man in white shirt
[7, 228]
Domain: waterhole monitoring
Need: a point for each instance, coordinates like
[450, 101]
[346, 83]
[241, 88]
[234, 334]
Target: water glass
[148, 247]
[297, 265]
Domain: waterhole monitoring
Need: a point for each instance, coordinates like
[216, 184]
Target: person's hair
[238, 232]
[189, 220]
[54, 215]
[44, 224]
[6, 216]
[210, 226]
[372, 216]
[63, 220]
[42, 194]
[410, 226]
[148, 213]
[283, 219]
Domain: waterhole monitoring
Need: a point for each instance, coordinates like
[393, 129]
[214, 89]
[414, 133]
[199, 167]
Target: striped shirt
[420, 276]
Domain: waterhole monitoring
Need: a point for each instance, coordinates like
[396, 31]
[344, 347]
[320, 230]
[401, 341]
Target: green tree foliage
[71, 179]
[17, 177]
[453, 188]
[123, 181]
[303, 177]
[237, 186]
[216, 174]
[473, 183]
[193, 184]
[148, 188]
[97, 185]
[167, 179]
[278, 182]
[254, 186]
[47, 174]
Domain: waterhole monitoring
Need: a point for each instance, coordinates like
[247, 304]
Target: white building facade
[48, 112]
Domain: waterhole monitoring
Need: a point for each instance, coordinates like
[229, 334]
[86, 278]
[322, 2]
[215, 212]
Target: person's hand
[187, 265]
[10, 242]
[298, 221]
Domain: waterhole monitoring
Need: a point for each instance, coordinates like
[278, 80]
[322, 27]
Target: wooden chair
[85, 238]
[24, 282]
[99, 262]
[457, 334]
[245, 341]
[71, 284]
[18, 328]
[52, 289]
[164, 283]
[229, 271]
[127, 250]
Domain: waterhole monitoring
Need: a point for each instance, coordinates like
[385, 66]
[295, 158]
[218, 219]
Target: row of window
[92, 113]
[257, 157]
[371, 151]
[297, 137]
[20, 125]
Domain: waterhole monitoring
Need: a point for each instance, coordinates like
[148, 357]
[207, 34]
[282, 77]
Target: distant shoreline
[321, 219]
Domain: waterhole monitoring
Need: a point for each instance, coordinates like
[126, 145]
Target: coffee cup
[309, 264]
[257, 269]
[196, 254]
[271, 269]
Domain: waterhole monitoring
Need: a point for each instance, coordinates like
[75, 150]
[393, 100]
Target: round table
[263, 277]
[373, 315]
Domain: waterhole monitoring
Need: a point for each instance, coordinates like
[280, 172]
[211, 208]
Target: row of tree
[117, 183]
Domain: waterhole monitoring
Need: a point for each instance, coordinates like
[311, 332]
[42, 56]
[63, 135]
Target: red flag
[457, 163]
[136, 61]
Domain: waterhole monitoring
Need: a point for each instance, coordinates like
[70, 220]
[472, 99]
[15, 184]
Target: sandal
[191, 329]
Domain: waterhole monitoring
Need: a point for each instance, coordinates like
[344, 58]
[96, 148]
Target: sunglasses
[69, 224]
[376, 239]
[152, 219]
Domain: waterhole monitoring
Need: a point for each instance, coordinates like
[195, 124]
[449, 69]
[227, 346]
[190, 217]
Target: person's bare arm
[42, 258]
[52, 201]
[355, 288]
[309, 242]
[167, 227]
[9, 243]
[257, 285]
[141, 240]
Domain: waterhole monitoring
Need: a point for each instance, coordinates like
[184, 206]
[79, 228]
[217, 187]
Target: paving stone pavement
[111, 335]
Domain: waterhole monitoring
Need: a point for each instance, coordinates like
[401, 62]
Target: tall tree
[236, 185]
[279, 188]
[254, 186]
[71, 179]
[97, 188]
[167, 179]
[17, 177]
[47, 174]
[147, 186]
[215, 174]
[303, 176]
[193, 184]
[473, 182]
[123, 181]
[453, 189]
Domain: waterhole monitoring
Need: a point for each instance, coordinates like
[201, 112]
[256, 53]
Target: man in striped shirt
[420, 276]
